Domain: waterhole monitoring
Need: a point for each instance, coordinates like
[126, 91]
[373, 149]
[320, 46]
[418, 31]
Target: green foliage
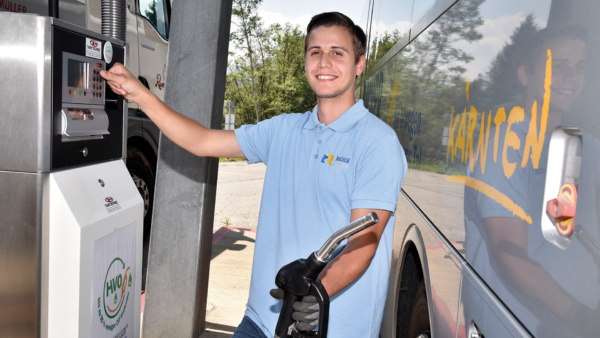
[266, 68]
[503, 84]
[425, 80]
[379, 47]
[439, 56]
[150, 13]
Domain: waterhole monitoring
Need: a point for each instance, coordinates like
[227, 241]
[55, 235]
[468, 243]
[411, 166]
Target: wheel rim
[142, 187]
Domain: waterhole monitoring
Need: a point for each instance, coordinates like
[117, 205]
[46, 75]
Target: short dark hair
[527, 52]
[329, 19]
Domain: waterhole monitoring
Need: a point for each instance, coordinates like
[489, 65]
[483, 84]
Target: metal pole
[180, 244]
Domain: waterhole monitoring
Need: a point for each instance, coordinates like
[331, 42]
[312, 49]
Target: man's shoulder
[376, 127]
[289, 117]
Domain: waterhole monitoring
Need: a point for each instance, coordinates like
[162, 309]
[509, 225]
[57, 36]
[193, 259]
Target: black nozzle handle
[286, 324]
[334, 241]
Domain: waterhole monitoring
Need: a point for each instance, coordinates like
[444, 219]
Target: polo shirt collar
[343, 123]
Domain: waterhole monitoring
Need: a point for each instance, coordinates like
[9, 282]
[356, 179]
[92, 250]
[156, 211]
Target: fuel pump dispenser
[297, 279]
[71, 218]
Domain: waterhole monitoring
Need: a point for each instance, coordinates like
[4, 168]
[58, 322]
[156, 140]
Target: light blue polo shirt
[316, 174]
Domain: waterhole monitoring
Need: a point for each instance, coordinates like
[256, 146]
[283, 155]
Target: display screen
[77, 74]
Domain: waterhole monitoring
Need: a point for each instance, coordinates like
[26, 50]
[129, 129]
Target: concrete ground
[239, 191]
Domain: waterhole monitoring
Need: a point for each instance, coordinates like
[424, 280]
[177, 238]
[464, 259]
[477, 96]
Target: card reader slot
[83, 124]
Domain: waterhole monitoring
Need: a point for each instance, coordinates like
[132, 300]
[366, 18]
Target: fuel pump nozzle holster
[300, 278]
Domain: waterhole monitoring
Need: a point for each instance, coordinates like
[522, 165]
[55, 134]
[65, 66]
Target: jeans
[248, 329]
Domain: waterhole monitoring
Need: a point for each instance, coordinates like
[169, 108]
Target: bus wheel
[142, 174]
[419, 317]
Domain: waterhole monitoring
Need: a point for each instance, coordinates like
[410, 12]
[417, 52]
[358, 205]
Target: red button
[563, 209]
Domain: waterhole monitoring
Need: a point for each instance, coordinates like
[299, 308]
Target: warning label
[111, 204]
[93, 48]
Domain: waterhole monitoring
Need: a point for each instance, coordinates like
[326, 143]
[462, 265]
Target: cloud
[496, 34]
[380, 27]
[269, 18]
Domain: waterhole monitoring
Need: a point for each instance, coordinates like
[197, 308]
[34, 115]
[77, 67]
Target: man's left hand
[306, 312]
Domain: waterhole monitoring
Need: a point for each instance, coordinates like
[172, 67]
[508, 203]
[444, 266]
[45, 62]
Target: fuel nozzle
[299, 278]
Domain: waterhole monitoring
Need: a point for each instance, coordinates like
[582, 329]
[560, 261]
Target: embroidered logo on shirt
[327, 157]
[340, 161]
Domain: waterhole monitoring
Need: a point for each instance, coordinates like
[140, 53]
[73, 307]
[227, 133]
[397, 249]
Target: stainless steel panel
[25, 82]
[72, 11]
[20, 267]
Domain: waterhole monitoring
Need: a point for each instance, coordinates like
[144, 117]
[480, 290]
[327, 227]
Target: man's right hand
[122, 82]
[185, 132]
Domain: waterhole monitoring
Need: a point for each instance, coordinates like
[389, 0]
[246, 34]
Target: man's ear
[360, 65]
[522, 75]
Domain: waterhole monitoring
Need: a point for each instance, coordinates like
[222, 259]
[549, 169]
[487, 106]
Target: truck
[144, 26]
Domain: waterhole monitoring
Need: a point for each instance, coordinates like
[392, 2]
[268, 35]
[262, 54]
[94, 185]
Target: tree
[503, 84]
[379, 47]
[289, 90]
[150, 13]
[438, 54]
[425, 80]
[266, 68]
[245, 38]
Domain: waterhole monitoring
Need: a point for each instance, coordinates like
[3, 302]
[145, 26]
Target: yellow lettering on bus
[460, 138]
[533, 142]
[511, 139]
[471, 129]
[493, 193]
[498, 120]
[482, 143]
[451, 135]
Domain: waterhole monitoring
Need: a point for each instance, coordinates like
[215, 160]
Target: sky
[299, 12]
[500, 19]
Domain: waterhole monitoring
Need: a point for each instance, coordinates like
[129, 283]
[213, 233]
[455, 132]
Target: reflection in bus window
[156, 12]
[388, 21]
[475, 98]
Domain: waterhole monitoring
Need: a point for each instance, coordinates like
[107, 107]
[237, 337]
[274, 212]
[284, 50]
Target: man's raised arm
[185, 132]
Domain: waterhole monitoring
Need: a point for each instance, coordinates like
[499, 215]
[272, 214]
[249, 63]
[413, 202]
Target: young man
[325, 168]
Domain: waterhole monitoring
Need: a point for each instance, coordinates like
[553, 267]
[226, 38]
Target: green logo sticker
[115, 295]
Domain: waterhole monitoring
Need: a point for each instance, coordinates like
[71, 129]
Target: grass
[231, 159]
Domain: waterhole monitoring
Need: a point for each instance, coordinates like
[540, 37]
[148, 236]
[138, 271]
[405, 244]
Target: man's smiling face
[330, 63]
[569, 61]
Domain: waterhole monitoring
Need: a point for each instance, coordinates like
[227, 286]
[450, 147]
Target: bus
[495, 103]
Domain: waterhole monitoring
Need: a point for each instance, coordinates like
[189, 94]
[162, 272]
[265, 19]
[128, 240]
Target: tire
[419, 326]
[142, 173]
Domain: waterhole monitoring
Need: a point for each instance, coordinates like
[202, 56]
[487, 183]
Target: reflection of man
[306, 199]
[529, 274]
[568, 70]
